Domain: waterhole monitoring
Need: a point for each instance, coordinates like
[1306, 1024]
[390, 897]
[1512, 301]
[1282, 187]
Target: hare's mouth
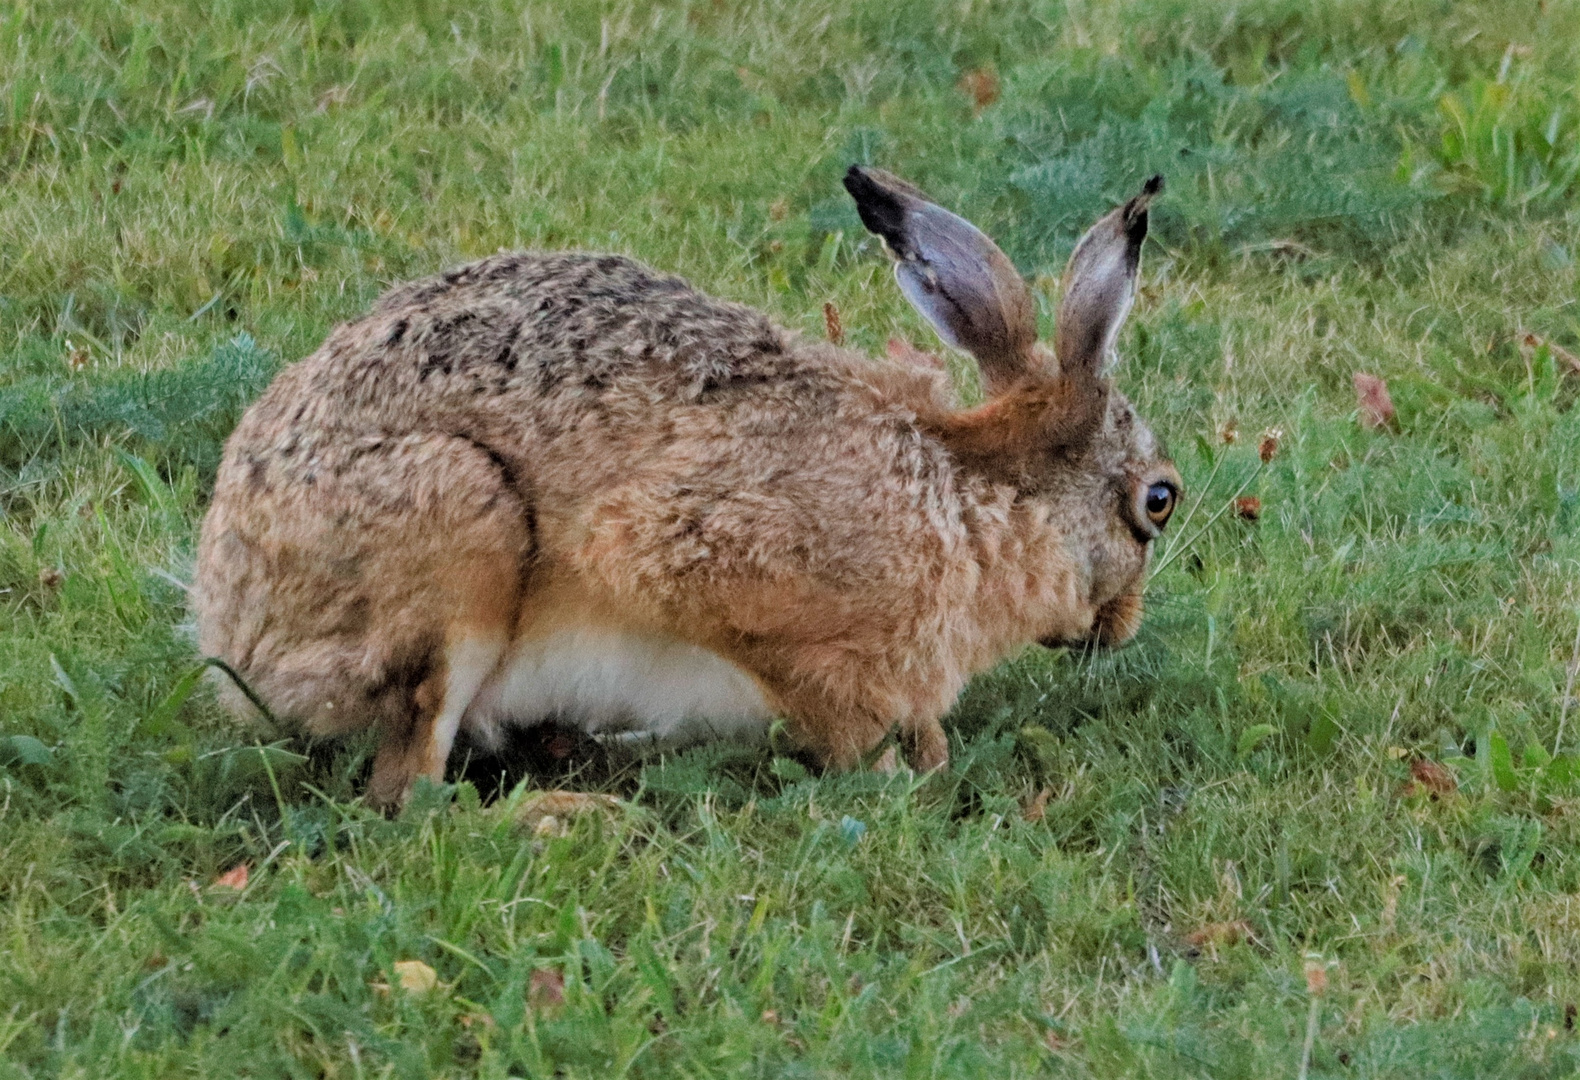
[1116, 623]
[1118, 620]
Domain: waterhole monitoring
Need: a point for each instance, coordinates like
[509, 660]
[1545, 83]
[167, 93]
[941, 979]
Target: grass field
[195, 193]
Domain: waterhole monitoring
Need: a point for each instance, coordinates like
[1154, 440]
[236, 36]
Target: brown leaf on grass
[981, 86]
[770, 1017]
[1434, 777]
[1316, 978]
[544, 812]
[77, 356]
[1220, 933]
[1371, 395]
[1559, 353]
[1036, 808]
[1247, 507]
[1267, 449]
[234, 878]
[1229, 432]
[904, 352]
[832, 326]
[50, 577]
[545, 989]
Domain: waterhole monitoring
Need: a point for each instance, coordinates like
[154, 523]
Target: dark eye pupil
[1158, 499]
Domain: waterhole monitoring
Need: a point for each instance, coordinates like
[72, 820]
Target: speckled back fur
[571, 319]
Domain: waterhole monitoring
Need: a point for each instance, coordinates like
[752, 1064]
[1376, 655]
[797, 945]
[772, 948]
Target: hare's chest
[614, 682]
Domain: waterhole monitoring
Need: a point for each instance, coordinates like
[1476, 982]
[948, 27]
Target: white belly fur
[613, 682]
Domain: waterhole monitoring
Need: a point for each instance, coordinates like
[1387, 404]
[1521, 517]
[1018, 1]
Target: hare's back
[546, 321]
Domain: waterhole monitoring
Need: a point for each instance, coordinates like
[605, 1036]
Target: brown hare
[564, 486]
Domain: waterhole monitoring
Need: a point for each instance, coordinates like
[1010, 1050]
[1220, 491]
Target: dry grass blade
[1569, 692]
[1231, 932]
[1559, 353]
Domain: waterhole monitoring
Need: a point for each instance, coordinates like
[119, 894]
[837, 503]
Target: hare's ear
[953, 274]
[1100, 286]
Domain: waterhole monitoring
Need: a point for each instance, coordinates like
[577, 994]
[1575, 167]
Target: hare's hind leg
[475, 584]
[375, 591]
[471, 544]
[418, 743]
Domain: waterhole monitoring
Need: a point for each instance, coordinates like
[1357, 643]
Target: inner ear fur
[953, 274]
[1100, 285]
[1056, 408]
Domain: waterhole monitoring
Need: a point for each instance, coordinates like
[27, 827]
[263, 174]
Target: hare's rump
[365, 581]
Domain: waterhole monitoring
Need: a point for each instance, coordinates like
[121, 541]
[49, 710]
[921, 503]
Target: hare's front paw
[927, 747]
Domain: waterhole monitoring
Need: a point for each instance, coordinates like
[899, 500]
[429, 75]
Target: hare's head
[1053, 425]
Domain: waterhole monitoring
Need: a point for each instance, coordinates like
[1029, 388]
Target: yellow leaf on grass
[415, 976]
[546, 812]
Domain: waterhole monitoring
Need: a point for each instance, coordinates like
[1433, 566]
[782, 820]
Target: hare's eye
[1159, 503]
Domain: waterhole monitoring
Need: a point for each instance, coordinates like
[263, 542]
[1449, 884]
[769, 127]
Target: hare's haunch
[564, 486]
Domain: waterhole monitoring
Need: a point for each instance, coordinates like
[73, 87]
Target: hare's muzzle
[1115, 624]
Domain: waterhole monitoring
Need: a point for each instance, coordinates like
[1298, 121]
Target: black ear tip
[856, 180]
[864, 187]
[1135, 211]
[880, 207]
